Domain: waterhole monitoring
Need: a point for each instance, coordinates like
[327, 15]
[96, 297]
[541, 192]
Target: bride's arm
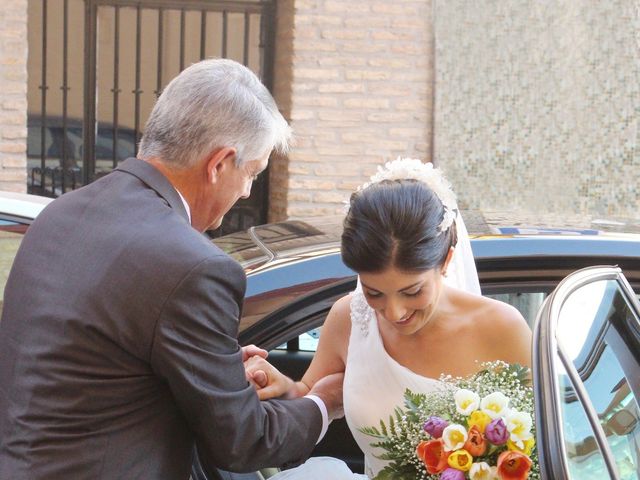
[329, 358]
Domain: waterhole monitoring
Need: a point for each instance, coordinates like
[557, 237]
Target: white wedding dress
[374, 382]
[374, 385]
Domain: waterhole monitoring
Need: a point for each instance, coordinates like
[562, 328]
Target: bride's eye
[414, 293]
[371, 294]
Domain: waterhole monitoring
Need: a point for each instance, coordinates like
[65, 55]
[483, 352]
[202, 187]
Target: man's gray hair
[213, 104]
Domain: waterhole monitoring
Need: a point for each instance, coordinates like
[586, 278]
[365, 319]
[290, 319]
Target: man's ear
[218, 162]
[447, 260]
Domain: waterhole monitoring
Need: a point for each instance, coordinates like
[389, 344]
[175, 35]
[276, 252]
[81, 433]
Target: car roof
[22, 205]
[492, 234]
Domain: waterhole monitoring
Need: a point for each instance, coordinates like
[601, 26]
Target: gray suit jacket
[118, 348]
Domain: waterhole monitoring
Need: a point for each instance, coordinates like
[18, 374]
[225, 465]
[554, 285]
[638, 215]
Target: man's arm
[196, 352]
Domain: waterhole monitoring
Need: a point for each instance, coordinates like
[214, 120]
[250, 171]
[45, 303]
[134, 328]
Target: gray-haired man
[118, 335]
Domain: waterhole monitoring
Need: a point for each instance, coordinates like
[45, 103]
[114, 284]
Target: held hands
[268, 381]
[251, 350]
[257, 378]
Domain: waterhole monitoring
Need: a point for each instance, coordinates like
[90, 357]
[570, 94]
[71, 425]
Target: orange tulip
[476, 444]
[433, 455]
[513, 465]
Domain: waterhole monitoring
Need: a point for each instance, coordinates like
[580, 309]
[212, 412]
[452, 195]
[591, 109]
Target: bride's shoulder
[499, 327]
[340, 313]
[342, 306]
[488, 311]
[336, 329]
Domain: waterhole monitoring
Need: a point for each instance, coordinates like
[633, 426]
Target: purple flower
[496, 432]
[452, 474]
[434, 426]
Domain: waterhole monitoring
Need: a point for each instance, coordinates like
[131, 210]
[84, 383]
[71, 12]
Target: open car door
[586, 377]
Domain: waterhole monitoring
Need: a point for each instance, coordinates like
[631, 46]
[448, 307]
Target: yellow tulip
[526, 448]
[460, 460]
[479, 419]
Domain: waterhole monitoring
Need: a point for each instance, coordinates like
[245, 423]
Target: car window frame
[550, 435]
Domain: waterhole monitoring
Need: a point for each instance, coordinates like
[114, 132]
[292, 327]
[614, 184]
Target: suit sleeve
[196, 352]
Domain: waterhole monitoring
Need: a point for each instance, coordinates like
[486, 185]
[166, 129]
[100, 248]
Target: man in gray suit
[118, 349]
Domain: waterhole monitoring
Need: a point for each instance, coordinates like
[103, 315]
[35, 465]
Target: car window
[585, 460]
[590, 338]
[305, 342]
[527, 303]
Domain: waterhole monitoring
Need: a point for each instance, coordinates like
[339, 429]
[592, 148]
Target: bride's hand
[268, 381]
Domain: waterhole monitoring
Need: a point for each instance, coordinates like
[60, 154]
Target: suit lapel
[151, 176]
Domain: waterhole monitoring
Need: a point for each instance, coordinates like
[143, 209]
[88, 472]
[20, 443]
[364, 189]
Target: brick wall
[13, 95]
[354, 79]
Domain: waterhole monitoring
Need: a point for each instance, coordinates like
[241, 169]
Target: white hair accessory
[414, 169]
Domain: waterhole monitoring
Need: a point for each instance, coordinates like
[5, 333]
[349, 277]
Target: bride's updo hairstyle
[400, 222]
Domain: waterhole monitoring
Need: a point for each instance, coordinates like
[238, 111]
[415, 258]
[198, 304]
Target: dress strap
[360, 310]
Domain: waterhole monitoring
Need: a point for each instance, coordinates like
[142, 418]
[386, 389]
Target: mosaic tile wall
[538, 103]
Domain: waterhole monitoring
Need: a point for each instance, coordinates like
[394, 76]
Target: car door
[586, 376]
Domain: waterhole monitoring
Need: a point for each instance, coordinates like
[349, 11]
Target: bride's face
[406, 300]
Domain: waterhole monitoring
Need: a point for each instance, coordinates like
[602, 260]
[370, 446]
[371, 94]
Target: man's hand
[257, 378]
[268, 380]
[329, 389]
[251, 351]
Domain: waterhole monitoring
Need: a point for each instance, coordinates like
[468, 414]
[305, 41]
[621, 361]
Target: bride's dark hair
[395, 223]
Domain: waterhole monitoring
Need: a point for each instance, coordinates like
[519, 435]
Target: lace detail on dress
[360, 311]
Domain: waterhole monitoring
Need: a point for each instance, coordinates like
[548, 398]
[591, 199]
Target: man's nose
[247, 191]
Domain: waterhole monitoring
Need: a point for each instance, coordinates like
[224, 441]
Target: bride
[405, 324]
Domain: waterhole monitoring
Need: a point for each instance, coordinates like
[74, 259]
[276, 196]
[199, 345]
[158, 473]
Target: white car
[21, 206]
[17, 211]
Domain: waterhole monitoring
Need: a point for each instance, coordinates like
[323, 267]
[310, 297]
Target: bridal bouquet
[477, 428]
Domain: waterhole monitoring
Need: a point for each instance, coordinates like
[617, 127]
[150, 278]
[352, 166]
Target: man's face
[234, 183]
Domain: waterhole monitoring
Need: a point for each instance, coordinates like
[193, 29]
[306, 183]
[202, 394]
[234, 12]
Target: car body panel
[22, 205]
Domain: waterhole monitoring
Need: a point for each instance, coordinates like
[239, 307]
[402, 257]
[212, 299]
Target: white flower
[414, 169]
[454, 437]
[519, 426]
[483, 471]
[466, 401]
[495, 405]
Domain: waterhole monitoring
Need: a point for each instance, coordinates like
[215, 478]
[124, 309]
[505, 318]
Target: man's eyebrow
[409, 287]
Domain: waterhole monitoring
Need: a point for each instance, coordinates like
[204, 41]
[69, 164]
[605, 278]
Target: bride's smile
[405, 300]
